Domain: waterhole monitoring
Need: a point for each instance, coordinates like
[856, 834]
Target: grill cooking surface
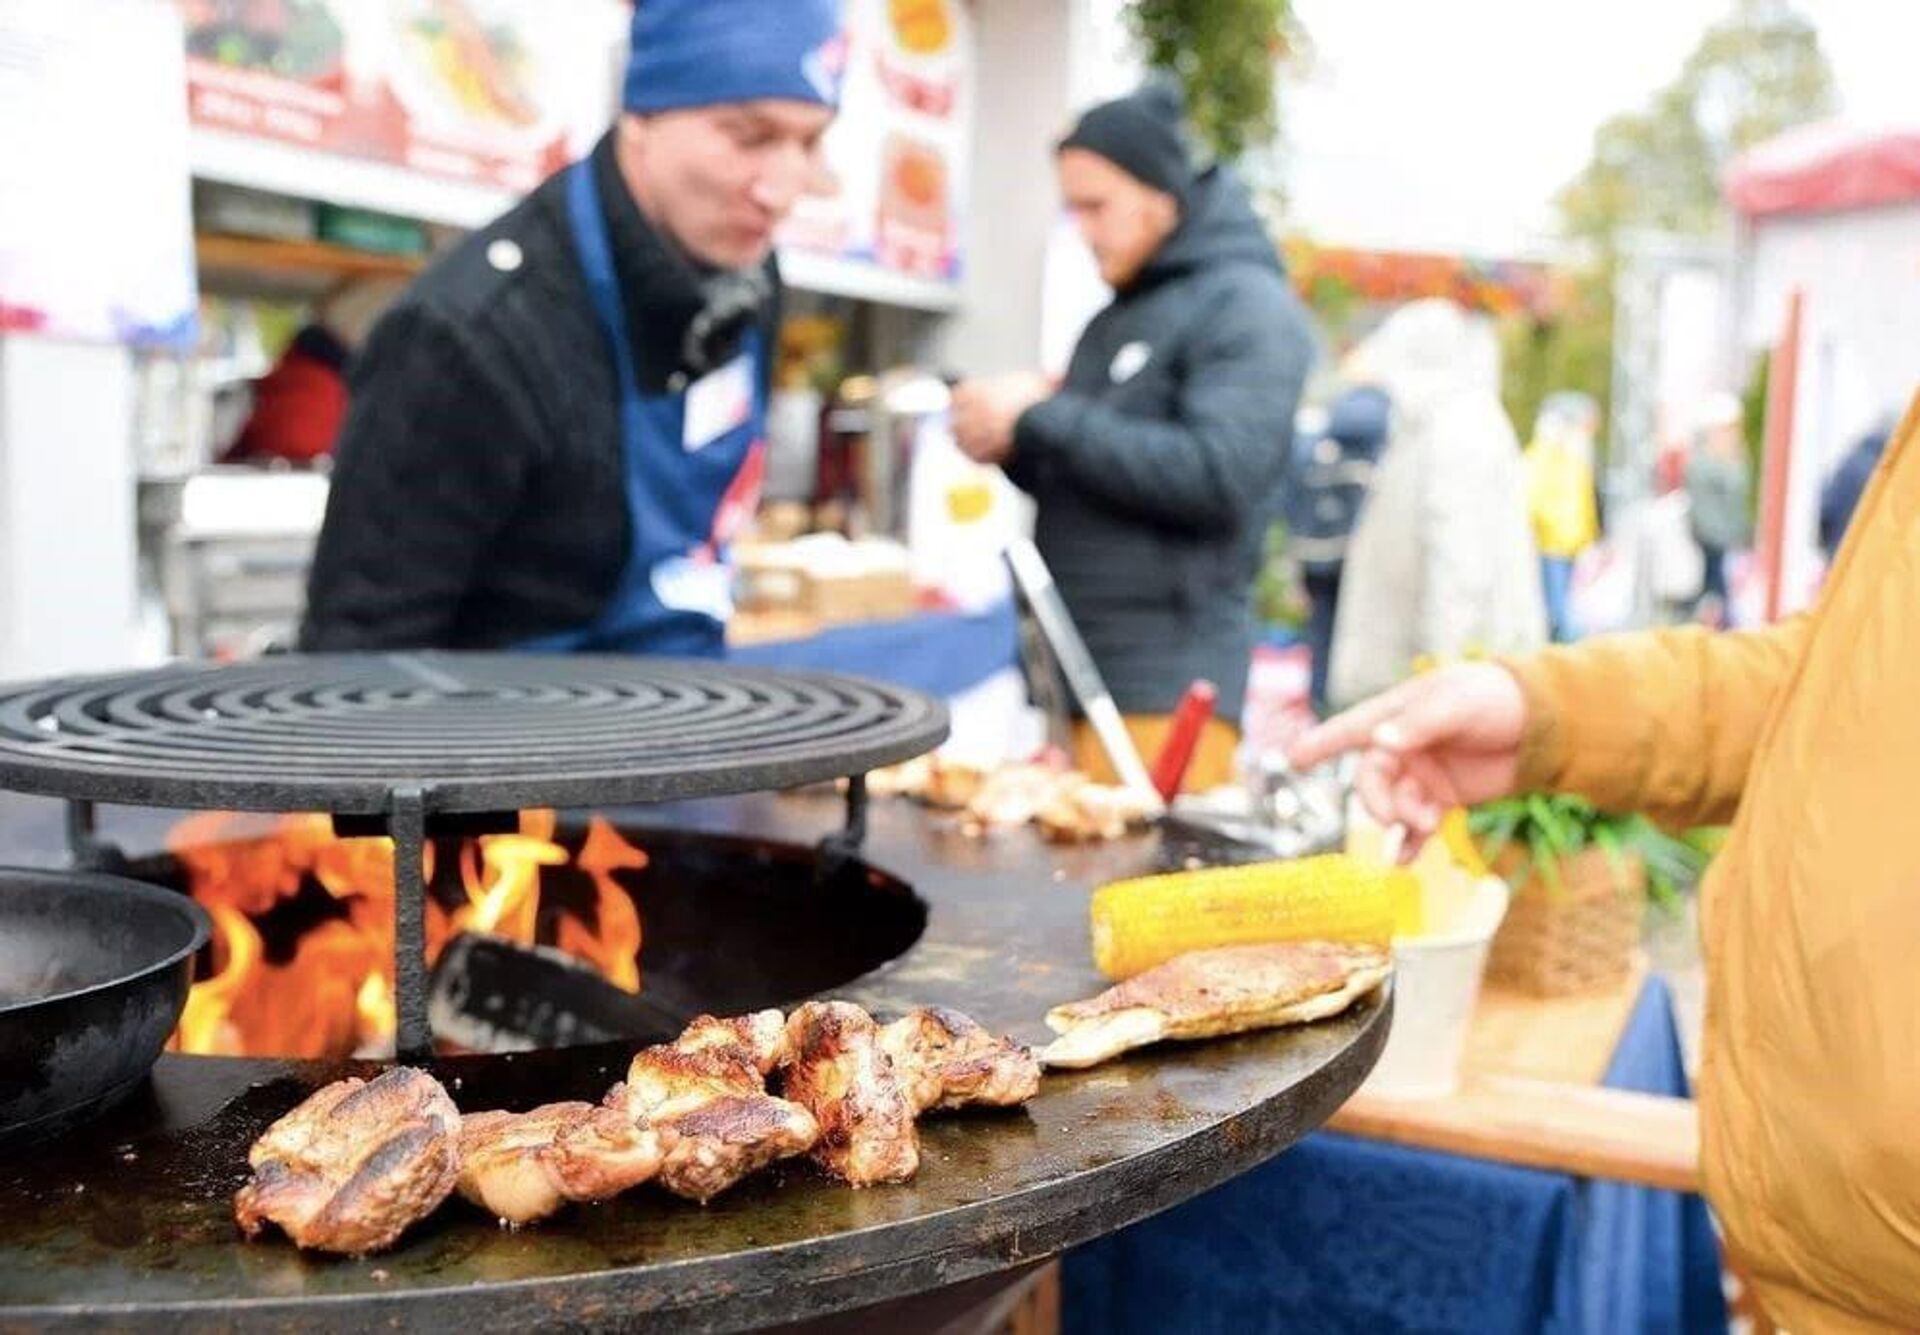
[480, 732]
[128, 1224]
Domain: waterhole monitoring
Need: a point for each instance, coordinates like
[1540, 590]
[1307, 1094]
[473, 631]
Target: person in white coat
[1442, 564]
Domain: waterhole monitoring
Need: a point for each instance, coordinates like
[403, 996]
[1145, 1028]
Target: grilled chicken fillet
[506, 1160]
[524, 1166]
[842, 1075]
[597, 1156]
[1208, 993]
[356, 1164]
[947, 1060]
[760, 1038]
[708, 1091]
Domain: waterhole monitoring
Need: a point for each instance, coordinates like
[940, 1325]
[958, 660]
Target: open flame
[334, 995]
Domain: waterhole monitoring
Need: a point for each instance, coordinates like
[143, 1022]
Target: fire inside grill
[302, 957]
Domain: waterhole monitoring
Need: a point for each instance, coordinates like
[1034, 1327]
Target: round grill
[472, 732]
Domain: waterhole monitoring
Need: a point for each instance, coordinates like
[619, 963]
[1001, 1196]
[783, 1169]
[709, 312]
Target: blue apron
[686, 496]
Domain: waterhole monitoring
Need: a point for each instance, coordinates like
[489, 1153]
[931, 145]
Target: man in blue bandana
[556, 431]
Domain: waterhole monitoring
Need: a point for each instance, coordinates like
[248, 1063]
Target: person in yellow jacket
[1806, 735]
[1560, 498]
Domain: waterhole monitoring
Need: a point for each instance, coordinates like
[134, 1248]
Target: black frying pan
[94, 972]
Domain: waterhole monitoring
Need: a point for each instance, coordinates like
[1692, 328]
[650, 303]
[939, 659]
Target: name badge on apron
[718, 403]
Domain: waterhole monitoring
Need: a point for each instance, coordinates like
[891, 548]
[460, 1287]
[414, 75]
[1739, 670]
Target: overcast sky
[1450, 126]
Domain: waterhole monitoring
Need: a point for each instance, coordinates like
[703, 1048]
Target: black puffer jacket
[478, 493]
[1157, 466]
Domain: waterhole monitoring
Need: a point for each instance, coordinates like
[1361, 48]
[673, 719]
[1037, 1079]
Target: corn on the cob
[1147, 921]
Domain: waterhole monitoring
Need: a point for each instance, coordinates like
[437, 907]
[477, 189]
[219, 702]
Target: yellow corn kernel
[1146, 921]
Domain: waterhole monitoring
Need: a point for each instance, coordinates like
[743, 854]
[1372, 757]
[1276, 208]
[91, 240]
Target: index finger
[1345, 732]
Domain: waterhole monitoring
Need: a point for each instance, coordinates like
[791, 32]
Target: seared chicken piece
[506, 1160]
[1012, 795]
[722, 1138]
[950, 784]
[907, 779]
[842, 1075]
[760, 1037]
[1080, 811]
[946, 1060]
[356, 1164]
[666, 1080]
[606, 1152]
[1208, 993]
[708, 1092]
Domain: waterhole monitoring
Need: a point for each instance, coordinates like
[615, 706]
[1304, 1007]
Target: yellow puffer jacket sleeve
[1663, 722]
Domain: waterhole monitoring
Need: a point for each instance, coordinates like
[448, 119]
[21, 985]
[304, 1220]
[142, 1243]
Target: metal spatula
[1036, 586]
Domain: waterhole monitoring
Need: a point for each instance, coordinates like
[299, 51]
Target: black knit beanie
[1143, 135]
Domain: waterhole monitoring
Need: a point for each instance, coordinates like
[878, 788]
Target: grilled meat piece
[1207, 993]
[356, 1164]
[525, 1166]
[667, 1080]
[842, 1075]
[760, 1037]
[1079, 811]
[707, 1091]
[946, 1060]
[597, 1156]
[1012, 794]
[722, 1138]
[506, 1160]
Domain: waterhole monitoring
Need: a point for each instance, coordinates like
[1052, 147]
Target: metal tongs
[1083, 678]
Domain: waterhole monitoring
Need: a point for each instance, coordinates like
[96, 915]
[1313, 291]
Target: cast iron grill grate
[474, 733]
[409, 744]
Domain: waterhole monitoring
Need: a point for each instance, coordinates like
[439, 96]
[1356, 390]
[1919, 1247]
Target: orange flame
[204, 1026]
[334, 996]
[613, 944]
[506, 901]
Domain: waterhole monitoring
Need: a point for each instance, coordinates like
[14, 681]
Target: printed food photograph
[473, 65]
[922, 27]
[295, 39]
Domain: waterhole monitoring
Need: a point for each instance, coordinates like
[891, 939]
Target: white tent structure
[1830, 212]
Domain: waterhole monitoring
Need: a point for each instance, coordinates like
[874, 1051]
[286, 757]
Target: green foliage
[1756, 73]
[1224, 53]
[1570, 349]
[1279, 596]
[1553, 829]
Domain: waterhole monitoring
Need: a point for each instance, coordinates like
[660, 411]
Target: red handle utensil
[1183, 736]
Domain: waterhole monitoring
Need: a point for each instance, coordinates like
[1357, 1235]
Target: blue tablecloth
[942, 653]
[1341, 1234]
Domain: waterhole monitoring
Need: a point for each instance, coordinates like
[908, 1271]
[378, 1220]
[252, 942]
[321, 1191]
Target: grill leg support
[88, 850]
[843, 845]
[413, 1039]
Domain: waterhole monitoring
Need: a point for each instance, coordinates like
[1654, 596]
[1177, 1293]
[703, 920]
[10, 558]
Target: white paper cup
[1436, 984]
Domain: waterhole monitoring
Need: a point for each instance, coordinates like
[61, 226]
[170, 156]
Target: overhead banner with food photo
[468, 90]
[898, 151]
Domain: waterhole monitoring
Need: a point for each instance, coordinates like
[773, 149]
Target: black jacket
[1157, 466]
[478, 488]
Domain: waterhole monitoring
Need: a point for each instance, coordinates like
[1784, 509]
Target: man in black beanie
[1157, 464]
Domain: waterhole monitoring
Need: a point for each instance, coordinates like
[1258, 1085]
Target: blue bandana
[696, 53]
